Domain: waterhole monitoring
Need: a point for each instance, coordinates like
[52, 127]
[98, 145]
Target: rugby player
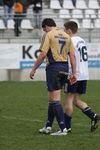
[75, 91]
[56, 46]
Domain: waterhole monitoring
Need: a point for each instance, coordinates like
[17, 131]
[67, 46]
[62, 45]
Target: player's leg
[57, 107]
[69, 97]
[69, 90]
[87, 111]
[55, 96]
[83, 106]
[48, 127]
[78, 102]
[51, 115]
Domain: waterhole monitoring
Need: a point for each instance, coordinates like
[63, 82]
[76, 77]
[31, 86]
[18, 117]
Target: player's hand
[73, 79]
[32, 73]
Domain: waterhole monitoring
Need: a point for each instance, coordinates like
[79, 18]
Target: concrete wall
[94, 73]
[23, 75]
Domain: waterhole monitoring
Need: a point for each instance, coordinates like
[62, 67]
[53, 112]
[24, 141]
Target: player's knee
[76, 102]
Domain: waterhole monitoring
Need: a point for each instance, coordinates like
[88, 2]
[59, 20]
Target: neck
[53, 28]
[72, 35]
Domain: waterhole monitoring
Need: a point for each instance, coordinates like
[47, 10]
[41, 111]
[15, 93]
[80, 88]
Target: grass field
[23, 110]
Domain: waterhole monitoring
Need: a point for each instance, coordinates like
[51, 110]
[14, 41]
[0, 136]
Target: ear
[69, 31]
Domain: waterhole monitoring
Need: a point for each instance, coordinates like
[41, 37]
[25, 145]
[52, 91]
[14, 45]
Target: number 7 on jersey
[62, 45]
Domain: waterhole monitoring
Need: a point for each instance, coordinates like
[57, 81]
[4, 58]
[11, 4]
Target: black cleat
[94, 123]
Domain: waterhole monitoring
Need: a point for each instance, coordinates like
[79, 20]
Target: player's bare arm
[73, 77]
[39, 61]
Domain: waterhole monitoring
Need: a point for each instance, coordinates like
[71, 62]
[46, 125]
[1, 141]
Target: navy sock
[51, 115]
[67, 120]
[87, 111]
[58, 110]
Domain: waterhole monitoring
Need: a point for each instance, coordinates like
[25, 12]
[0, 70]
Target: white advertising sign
[22, 56]
[94, 55]
[17, 56]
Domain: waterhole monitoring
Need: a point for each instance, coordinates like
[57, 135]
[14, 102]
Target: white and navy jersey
[81, 58]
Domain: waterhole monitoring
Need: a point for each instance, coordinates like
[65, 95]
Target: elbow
[43, 55]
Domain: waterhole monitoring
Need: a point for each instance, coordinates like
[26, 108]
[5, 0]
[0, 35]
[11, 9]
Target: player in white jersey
[74, 92]
[82, 58]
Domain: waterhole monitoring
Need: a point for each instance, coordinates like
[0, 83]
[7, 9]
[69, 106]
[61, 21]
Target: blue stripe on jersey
[50, 57]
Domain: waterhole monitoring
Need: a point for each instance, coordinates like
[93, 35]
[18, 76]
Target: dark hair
[49, 22]
[72, 25]
[17, 1]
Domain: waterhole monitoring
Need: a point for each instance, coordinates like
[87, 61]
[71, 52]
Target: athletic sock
[51, 115]
[67, 120]
[87, 111]
[58, 110]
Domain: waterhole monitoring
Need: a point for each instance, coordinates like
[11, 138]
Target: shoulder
[77, 39]
[45, 37]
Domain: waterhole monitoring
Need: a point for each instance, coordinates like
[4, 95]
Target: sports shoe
[94, 123]
[69, 130]
[45, 130]
[64, 132]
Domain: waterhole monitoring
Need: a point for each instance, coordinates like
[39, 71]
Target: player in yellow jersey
[56, 46]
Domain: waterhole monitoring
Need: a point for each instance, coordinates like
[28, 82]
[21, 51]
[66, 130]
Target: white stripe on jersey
[81, 58]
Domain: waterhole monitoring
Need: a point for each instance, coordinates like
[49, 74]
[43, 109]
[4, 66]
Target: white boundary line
[21, 119]
[35, 120]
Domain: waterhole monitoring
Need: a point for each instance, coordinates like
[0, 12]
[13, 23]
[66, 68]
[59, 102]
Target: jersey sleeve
[45, 44]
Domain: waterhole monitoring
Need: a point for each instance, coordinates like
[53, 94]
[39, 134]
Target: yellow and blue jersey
[57, 44]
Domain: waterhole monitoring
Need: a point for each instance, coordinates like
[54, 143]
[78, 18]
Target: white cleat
[58, 133]
[45, 130]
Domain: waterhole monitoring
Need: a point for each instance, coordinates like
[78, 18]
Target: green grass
[23, 110]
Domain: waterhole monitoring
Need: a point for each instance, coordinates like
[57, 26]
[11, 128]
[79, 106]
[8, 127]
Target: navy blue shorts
[56, 78]
[78, 87]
